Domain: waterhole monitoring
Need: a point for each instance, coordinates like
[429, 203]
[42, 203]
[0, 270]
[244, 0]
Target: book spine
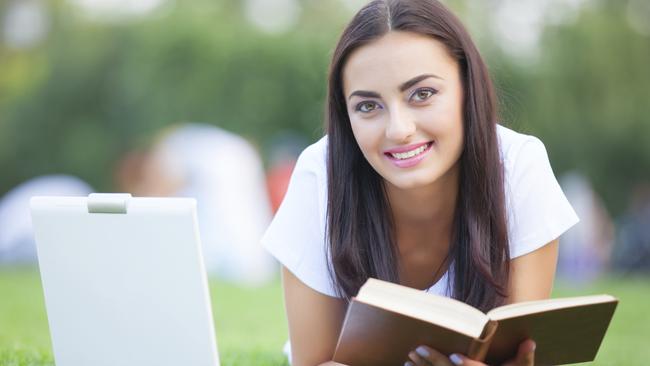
[479, 347]
[478, 350]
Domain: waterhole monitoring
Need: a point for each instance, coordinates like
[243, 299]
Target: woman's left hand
[427, 356]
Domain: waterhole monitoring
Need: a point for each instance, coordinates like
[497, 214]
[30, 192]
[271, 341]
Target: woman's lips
[407, 162]
[403, 149]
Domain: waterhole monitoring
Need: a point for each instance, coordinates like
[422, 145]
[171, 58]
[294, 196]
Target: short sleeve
[538, 210]
[296, 236]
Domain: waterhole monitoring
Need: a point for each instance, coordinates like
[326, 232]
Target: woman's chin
[409, 182]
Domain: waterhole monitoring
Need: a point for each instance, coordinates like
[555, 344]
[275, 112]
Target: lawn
[251, 329]
[250, 323]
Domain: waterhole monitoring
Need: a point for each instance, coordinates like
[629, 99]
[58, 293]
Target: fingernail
[422, 351]
[408, 363]
[456, 359]
[534, 346]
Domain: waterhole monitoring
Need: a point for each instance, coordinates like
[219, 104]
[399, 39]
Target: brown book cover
[373, 334]
[567, 335]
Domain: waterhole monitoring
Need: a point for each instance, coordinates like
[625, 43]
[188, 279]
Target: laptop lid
[124, 281]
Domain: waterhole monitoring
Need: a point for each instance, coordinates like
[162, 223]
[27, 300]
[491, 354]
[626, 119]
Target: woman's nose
[400, 125]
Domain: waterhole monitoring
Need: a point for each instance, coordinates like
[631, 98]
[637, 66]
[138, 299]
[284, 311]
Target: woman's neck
[428, 205]
[424, 216]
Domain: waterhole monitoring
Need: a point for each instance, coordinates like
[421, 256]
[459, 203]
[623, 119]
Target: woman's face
[405, 102]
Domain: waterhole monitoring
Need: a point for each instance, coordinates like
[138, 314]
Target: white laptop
[124, 281]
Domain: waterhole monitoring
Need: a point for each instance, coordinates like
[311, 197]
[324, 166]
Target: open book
[386, 321]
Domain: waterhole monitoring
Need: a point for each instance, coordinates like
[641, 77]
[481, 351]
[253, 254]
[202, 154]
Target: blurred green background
[82, 82]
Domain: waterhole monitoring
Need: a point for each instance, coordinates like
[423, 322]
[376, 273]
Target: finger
[417, 360]
[525, 354]
[427, 356]
[459, 360]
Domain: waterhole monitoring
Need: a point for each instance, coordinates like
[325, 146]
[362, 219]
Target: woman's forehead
[395, 58]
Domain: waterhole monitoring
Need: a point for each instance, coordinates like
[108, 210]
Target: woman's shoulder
[296, 235]
[524, 157]
[314, 157]
[512, 144]
[538, 210]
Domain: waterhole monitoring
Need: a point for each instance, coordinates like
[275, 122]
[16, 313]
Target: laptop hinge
[111, 203]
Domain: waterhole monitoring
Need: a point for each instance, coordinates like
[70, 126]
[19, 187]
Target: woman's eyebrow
[402, 87]
[417, 79]
[364, 94]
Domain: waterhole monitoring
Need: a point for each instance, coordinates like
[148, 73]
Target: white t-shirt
[538, 211]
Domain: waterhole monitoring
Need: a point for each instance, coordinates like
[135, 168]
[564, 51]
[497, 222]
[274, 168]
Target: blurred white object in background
[638, 16]
[273, 16]
[585, 249]
[224, 173]
[16, 233]
[25, 23]
[518, 25]
[119, 10]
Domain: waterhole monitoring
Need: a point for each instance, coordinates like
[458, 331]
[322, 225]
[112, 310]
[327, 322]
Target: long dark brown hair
[360, 229]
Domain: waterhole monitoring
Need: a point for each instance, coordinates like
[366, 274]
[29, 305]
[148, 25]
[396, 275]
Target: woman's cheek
[364, 138]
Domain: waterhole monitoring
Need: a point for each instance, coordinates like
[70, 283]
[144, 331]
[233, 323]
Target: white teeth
[410, 154]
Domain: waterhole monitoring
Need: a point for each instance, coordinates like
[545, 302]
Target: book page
[443, 311]
[531, 307]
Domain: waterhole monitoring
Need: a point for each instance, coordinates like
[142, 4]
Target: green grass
[249, 322]
[627, 341]
[251, 327]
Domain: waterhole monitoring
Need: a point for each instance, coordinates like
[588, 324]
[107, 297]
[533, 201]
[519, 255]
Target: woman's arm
[532, 274]
[315, 321]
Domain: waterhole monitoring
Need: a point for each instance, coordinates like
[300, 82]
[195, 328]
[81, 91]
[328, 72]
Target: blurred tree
[109, 87]
[587, 98]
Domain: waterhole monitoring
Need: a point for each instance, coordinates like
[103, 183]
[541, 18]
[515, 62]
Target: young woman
[415, 183]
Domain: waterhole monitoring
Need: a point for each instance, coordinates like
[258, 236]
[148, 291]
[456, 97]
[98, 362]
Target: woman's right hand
[525, 357]
[426, 356]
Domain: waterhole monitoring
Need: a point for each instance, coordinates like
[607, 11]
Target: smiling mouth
[410, 154]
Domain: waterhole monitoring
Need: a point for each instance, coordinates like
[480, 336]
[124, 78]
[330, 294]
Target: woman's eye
[421, 95]
[366, 107]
